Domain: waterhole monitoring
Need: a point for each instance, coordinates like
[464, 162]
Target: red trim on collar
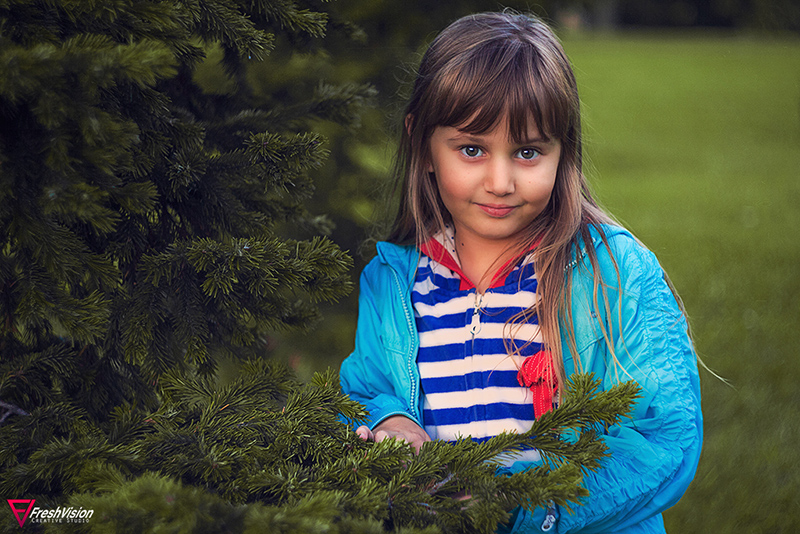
[436, 251]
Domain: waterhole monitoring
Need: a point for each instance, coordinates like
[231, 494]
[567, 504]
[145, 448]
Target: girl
[501, 276]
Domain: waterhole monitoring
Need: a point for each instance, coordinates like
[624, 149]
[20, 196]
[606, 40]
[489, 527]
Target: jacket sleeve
[654, 453]
[374, 374]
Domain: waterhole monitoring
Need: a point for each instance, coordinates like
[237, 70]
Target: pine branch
[339, 103]
[288, 16]
[223, 21]
[10, 409]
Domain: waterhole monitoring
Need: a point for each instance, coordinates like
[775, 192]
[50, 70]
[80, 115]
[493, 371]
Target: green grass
[694, 144]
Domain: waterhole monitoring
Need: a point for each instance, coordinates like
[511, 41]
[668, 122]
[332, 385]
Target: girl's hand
[396, 426]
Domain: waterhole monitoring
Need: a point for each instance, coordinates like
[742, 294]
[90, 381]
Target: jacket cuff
[378, 420]
[384, 406]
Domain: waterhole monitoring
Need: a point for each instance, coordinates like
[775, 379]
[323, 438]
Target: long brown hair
[481, 69]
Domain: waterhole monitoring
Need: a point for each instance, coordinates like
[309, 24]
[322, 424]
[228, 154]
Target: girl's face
[492, 186]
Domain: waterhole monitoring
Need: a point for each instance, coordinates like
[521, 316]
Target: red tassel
[537, 374]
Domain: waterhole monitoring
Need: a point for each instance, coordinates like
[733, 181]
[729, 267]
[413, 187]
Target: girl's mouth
[496, 210]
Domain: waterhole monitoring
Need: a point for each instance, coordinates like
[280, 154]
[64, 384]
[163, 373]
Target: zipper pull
[475, 324]
[550, 518]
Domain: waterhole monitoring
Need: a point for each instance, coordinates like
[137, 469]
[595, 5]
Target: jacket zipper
[409, 364]
[475, 323]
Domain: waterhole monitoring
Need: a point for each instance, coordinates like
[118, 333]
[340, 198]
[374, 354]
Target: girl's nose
[499, 179]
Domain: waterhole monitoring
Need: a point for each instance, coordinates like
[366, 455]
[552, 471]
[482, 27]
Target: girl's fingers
[381, 435]
[412, 439]
[365, 433]
[399, 427]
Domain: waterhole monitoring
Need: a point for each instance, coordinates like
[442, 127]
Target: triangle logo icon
[21, 508]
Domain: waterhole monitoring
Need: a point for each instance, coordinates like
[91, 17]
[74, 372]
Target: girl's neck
[481, 260]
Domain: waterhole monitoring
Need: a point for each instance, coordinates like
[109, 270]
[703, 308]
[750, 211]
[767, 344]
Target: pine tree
[140, 213]
[152, 204]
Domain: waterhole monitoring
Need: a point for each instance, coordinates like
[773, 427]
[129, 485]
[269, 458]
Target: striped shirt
[468, 379]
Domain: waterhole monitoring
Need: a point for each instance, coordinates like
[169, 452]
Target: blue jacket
[654, 453]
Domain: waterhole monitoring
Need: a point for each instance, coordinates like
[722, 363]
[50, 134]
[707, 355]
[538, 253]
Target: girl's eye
[528, 153]
[471, 151]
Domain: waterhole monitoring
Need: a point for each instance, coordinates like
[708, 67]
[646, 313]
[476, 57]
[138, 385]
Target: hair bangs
[498, 81]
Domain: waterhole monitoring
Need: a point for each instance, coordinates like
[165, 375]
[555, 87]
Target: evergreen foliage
[155, 234]
[260, 454]
[142, 216]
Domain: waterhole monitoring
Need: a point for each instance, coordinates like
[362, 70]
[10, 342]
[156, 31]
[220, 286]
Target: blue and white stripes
[469, 380]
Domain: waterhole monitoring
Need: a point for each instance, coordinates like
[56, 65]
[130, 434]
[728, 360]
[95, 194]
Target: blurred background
[692, 130]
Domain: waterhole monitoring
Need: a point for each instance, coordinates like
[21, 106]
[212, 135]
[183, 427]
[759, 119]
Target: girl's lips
[496, 210]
